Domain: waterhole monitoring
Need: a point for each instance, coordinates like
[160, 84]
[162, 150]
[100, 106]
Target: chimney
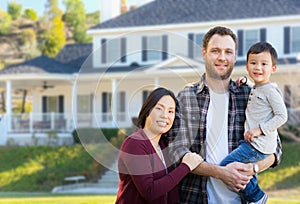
[109, 9]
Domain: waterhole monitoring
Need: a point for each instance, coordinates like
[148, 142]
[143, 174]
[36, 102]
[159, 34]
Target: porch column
[114, 99]
[74, 106]
[8, 105]
[156, 82]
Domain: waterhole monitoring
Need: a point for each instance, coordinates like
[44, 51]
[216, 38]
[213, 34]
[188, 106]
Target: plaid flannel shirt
[189, 132]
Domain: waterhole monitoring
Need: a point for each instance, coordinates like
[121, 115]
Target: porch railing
[63, 122]
[40, 122]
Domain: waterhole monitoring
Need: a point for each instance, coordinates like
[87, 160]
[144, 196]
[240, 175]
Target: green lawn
[32, 198]
[39, 169]
[88, 199]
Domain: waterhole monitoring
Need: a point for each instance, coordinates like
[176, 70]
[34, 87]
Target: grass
[19, 167]
[31, 198]
[47, 198]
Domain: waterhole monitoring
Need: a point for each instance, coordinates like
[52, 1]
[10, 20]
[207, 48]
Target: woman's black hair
[151, 102]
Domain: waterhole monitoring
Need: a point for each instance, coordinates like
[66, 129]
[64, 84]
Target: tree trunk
[24, 101]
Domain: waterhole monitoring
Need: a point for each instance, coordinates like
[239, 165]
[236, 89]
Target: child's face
[260, 67]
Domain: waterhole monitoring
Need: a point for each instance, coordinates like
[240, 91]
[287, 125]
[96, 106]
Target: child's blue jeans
[245, 153]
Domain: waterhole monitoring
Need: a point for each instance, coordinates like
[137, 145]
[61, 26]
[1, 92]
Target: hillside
[23, 40]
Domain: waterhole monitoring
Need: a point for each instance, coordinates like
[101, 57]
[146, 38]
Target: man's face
[220, 57]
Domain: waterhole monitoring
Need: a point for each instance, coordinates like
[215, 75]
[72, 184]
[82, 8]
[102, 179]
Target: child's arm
[276, 102]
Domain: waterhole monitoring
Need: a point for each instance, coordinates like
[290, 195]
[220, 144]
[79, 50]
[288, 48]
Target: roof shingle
[161, 12]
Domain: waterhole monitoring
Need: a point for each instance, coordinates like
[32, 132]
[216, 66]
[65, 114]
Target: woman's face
[161, 117]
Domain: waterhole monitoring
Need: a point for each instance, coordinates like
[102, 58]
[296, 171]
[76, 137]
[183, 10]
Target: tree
[5, 22]
[29, 43]
[30, 14]
[52, 10]
[14, 9]
[54, 37]
[75, 17]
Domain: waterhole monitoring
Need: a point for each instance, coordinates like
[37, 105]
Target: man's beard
[210, 71]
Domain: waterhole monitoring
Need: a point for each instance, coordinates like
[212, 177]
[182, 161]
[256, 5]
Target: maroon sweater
[143, 177]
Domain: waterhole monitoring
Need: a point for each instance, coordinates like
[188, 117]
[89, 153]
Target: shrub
[94, 135]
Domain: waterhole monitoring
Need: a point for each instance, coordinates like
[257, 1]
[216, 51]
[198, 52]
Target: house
[158, 44]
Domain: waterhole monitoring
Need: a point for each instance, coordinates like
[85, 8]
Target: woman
[146, 175]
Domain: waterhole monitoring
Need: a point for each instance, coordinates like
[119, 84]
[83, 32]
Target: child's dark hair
[263, 47]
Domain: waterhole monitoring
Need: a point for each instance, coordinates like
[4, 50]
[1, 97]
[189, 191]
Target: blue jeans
[245, 153]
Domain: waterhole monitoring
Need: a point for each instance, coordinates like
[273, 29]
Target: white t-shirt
[217, 147]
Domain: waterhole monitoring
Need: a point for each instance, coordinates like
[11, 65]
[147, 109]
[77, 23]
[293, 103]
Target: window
[84, 104]
[251, 37]
[122, 106]
[246, 38]
[195, 45]
[154, 48]
[295, 39]
[52, 104]
[107, 106]
[146, 93]
[113, 50]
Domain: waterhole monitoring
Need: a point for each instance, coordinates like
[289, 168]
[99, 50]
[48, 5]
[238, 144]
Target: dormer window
[154, 48]
[246, 38]
[113, 50]
[195, 45]
[295, 39]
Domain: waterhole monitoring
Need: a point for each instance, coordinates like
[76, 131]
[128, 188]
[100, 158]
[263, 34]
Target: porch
[53, 128]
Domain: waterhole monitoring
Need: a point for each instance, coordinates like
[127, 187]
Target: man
[211, 123]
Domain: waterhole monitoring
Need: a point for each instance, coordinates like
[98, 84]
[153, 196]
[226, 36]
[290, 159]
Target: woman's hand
[192, 159]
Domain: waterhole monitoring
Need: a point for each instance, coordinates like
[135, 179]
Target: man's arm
[235, 175]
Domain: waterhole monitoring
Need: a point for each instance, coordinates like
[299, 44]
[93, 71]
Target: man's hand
[236, 175]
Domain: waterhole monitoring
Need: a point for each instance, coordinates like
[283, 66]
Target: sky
[90, 5]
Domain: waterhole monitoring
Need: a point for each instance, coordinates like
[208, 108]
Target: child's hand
[190, 85]
[250, 134]
[241, 81]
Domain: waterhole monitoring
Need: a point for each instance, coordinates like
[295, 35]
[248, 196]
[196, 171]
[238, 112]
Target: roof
[161, 12]
[40, 64]
[69, 60]
[75, 54]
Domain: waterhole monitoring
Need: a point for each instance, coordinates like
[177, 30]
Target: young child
[265, 113]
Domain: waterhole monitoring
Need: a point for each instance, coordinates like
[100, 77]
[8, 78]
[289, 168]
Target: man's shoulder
[189, 91]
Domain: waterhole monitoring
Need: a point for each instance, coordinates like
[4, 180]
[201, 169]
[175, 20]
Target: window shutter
[44, 104]
[103, 51]
[164, 47]
[144, 49]
[104, 102]
[191, 45]
[240, 42]
[61, 104]
[123, 49]
[286, 40]
[91, 103]
[263, 33]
